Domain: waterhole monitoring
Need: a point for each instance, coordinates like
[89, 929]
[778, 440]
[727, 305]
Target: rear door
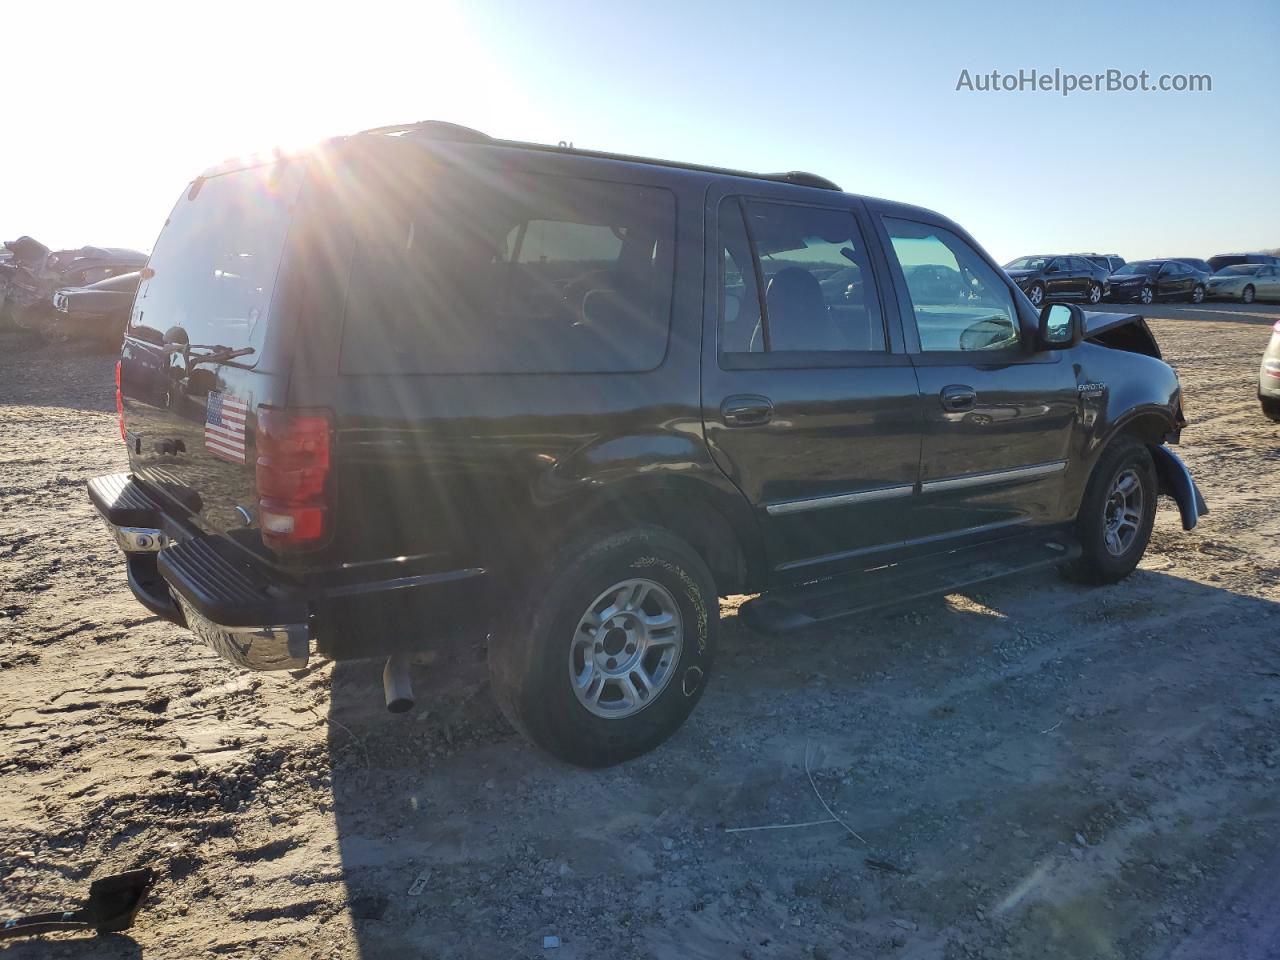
[1269, 283]
[809, 401]
[998, 416]
[197, 359]
[1058, 281]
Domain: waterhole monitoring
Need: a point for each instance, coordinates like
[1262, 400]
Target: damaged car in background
[33, 273]
[98, 311]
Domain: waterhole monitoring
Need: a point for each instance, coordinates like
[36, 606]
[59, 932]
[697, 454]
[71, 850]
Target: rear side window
[216, 260]
[811, 264]
[488, 272]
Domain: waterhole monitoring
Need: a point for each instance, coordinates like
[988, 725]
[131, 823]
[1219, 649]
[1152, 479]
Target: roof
[440, 130]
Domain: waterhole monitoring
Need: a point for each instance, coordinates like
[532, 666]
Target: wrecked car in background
[98, 311]
[29, 278]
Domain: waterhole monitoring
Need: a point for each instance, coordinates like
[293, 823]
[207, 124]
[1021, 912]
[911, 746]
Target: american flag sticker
[224, 427]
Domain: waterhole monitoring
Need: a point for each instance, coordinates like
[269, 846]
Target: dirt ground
[1032, 769]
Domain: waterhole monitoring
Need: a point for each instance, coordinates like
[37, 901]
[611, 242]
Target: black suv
[1110, 262]
[422, 387]
[1059, 278]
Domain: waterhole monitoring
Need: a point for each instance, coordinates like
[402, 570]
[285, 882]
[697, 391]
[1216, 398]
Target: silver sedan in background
[1245, 282]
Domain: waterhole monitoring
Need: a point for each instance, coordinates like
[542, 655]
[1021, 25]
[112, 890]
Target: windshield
[1138, 269]
[1027, 263]
[1240, 269]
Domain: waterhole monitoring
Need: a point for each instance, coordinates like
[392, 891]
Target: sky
[108, 117]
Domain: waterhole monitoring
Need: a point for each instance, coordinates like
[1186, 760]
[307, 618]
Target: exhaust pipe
[397, 686]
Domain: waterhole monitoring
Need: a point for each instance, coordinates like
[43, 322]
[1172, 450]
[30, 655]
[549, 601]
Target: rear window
[486, 272]
[215, 262]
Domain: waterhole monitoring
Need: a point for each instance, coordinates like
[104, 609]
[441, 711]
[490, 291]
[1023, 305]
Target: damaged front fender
[1175, 481]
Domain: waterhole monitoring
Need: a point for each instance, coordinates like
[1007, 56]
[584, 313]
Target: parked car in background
[526, 409]
[1245, 282]
[98, 311]
[1111, 262]
[1269, 377]
[1147, 281]
[1064, 277]
[1231, 259]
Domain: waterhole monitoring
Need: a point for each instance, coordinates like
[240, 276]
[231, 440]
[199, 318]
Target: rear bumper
[248, 613]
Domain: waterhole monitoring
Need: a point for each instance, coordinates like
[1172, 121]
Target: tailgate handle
[746, 411]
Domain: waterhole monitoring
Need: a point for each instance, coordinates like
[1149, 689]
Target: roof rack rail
[436, 129]
[443, 130]
[800, 178]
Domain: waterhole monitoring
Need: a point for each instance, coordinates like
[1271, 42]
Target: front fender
[1175, 481]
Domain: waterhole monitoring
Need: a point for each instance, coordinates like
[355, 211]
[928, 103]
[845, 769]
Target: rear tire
[1095, 293]
[1146, 295]
[1116, 514]
[1036, 294]
[1270, 408]
[1248, 295]
[571, 658]
[1197, 295]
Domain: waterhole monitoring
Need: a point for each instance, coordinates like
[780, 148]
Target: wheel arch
[723, 532]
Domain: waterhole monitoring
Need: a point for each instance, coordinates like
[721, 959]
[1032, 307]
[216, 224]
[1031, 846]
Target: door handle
[958, 398]
[746, 411]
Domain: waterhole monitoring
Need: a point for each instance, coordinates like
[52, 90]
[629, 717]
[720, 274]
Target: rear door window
[819, 294]
[213, 271]
[487, 272]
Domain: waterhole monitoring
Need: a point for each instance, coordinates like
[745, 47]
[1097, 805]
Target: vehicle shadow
[1093, 714]
[107, 946]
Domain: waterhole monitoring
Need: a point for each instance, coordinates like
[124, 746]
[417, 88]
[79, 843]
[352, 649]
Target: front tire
[1116, 514]
[1197, 295]
[1095, 293]
[604, 653]
[1270, 408]
[1248, 295]
[1036, 294]
[1146, 295]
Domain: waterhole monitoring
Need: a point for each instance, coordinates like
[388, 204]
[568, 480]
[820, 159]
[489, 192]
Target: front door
[810, 403]
[998, 416]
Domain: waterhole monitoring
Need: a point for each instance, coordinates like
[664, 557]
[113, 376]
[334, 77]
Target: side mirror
[1061, 326]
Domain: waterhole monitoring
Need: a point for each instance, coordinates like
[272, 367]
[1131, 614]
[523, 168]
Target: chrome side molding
[995, 476]
[840, 499]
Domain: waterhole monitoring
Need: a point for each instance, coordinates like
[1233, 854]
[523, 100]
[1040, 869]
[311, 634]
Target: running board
[794, 608]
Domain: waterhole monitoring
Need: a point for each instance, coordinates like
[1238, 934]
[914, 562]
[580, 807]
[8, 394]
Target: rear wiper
[217, 353]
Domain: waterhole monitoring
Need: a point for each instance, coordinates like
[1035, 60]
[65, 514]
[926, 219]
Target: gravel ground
[1031, 769]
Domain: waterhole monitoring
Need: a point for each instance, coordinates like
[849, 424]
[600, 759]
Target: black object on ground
[112, 904]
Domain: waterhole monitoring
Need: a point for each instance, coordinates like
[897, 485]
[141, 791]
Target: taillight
[292, 472]
[119, 401]
[1276, 327]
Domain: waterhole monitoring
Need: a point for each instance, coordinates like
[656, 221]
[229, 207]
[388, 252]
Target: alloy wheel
[1122, 513]
[625, 648]
[1147, 295]
[1095, 293]
[1197, 295]
[1037, 296]
[1248, 294]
